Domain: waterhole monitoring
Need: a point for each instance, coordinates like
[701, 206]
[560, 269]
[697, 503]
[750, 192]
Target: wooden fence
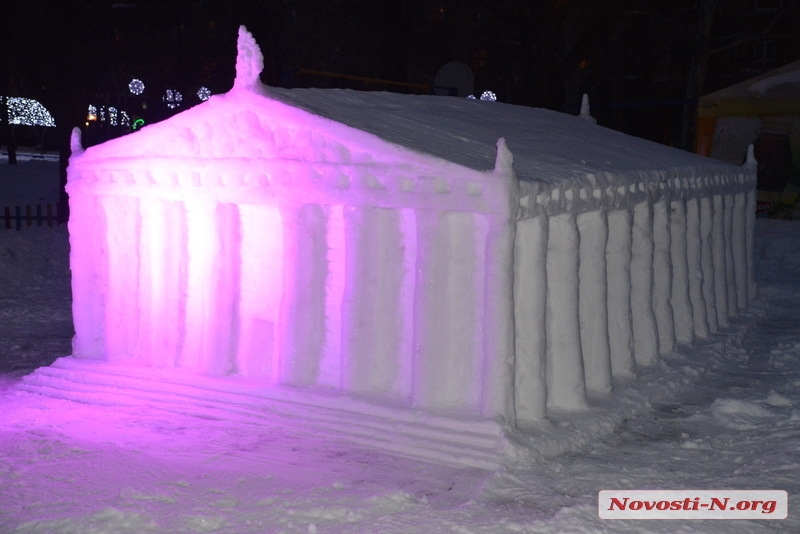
[33, 213]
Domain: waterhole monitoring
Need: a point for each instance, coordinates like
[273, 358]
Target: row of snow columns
[397, 303]
[602, 293]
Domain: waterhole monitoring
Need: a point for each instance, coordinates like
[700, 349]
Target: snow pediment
[246, 125]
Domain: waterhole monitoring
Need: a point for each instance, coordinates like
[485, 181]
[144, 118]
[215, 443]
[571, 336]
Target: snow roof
[547, 145]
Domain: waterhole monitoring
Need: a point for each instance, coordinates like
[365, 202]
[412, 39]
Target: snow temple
[384, 260]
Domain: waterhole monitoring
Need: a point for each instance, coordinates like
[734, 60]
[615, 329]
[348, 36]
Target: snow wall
[375, 271]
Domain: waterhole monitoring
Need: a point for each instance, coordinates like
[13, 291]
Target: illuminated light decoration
[136, 86]
[471, 97]
[137, 123]
[112, 116]
[91, 115]
[489, 96]
[236, 248]
[172, 98]
[28, 112]
[203, 93]
[103, 114]
[125, 119]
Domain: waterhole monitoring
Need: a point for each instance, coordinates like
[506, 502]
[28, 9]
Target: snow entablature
[388, 247]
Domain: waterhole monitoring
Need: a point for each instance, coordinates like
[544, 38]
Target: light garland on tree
[136, 86]
[28, 112]
[172, 98]
[115, 117]
[203, 93]
[489, 95]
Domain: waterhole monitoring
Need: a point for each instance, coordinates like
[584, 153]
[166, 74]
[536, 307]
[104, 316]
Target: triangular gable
[245, 124]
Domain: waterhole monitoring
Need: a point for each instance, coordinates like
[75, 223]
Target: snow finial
[751, 162]
[505, 159]
[75, 142]
[504, 169]
[585, 110]
[249, 60]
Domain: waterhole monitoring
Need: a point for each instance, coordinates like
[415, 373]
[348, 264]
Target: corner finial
[75, 146]
[585, 115]
[505, 159]
[751, 162]
[249, 60]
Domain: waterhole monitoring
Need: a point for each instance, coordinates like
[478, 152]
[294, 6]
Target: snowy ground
[723, 415]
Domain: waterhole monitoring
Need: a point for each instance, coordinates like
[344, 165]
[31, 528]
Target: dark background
[643, 63]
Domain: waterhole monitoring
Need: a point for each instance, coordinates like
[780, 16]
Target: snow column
[162, 281]
[707, 261]
[301, 333]
[662, 277]
[681, 306]
[566, 387]
[645, 338]
[496, 317]
[739, 239]
[593, 228]
[447, 336]
[751, 225]
[89, 265]
[718, 251]
[372, 319]
[695, 272]
[331, 357]
[618, 265]
[213, 287]
[730, 274]
[530, 292]
[261, 286]
[122, 303]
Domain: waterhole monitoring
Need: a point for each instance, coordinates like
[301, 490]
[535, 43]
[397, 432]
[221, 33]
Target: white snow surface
[723, 414]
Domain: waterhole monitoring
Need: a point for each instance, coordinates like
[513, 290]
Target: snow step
[401, 431]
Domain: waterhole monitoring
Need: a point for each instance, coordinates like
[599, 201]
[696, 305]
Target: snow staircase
[459, 442]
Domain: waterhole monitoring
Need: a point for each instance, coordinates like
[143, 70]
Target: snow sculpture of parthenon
[391, 248]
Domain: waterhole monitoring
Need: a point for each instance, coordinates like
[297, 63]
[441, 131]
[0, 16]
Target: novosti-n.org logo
[693, 504]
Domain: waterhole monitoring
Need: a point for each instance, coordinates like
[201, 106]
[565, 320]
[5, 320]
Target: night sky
[642, 62]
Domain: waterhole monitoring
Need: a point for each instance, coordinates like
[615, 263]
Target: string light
[488, 95]
[203, 93]
[112, 116]
[136, 86]
[471, 97]
[172, 98]
[92, 113]
[28, 112]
